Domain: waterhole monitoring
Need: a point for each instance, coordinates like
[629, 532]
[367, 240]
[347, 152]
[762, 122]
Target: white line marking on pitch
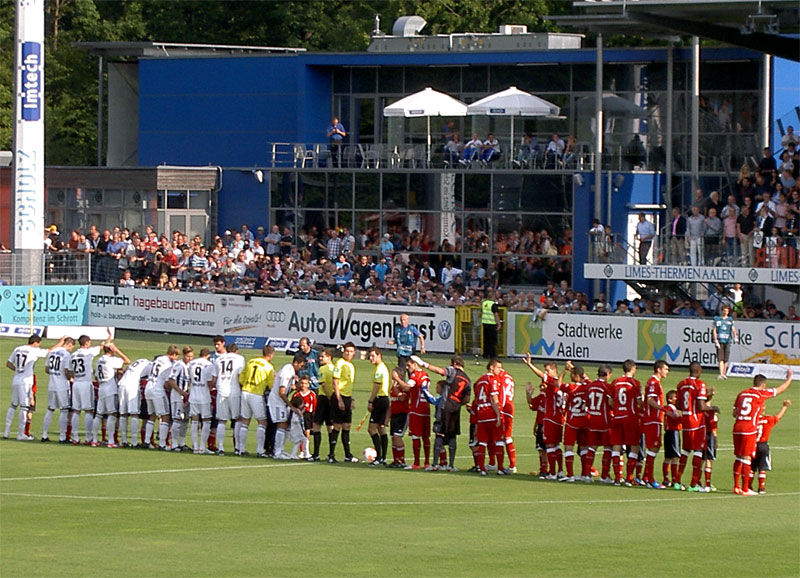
[369, 503]
[145, 472]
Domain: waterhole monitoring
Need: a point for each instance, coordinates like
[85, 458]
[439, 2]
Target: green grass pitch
[96, 511]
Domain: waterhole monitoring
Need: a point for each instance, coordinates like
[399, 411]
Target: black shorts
[380, 409]
[724, 351]
[451, 422]
[710, 452]
[538, 432]
[763, 459]
[672, 444]
[322, 413]
[308, 419]
[342, 415]
[398, 424]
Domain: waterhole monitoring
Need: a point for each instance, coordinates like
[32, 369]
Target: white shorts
[130, 401]
[83, 396]
[107, 405]
[228, 407]
[21, 394]
[253, 406]
[58, 399]
[179, 409]
[279, 413]
[158, 406]
[203, 410]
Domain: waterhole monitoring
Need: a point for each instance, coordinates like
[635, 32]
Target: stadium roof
[764, 25]
[177, 50]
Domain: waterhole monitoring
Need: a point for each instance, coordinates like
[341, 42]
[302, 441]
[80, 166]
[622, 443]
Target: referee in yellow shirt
[379, 406]
[258, 374]
[342, 402]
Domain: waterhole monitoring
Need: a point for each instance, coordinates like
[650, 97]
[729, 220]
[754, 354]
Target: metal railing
[63, 267]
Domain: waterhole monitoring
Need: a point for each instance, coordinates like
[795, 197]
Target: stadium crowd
[123, 401]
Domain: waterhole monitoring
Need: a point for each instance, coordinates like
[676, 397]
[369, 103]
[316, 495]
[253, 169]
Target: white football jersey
[227, 368]
[58, 362]
[160, 372]
[106, 374]
[134, 374]
[200, 372]
[81, 362]
[284, 378]
[23, 358]
[180, 373]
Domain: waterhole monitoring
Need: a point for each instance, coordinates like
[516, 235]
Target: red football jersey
[417, 404]
[507, 398]
[712, 421]
[748, 407]
[537, 405]
[690, 390]
[652, 391]
[486, 387]
[672, 423]
[553, 400]
[597, 394]
[627, 396]
[309, 401]
[765, 425]
[398, 399]
[576, 399]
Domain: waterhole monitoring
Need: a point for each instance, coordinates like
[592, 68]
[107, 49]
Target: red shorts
[508, 425]
[551, 433]
[652, 435]
[573, 435]
[694, 440]
[599, 438]
[419, 426]
[625, 432]
[487, 433]
[744, 444]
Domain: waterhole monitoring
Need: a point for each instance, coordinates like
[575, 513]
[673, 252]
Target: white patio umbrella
[427, 103]
[513, 102]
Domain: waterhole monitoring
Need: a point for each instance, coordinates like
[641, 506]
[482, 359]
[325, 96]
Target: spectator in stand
[678, 237]
[713, 201]
[247, 234]
[387, 247]
[695, 233]
[490, 149]
[790, 137]
[645, 232]
[554, 151]
[712, 236]
[767, 163]
[471, 150]
[334, 244]
[745, 227]
[273, 241]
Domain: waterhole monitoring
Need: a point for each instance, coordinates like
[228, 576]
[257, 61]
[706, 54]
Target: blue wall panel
[243, 200]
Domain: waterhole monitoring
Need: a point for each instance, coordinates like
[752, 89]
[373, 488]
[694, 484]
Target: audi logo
[276, 316]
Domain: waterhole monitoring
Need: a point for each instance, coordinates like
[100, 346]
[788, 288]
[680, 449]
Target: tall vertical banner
[447, 217]
[29, 139]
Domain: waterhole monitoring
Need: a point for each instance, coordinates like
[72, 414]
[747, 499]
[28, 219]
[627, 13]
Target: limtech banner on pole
[677, 340]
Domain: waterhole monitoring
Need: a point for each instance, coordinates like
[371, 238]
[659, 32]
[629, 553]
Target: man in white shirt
[449, 274]
[200, 373]
[22, 361]
[108, 370]
[645, 231]
[58, 368]
[130, 399]
[155, 394]
[82, 388]
[278, 402]
[227, 367]
[179, 380]
[471, 150]
[554, 151]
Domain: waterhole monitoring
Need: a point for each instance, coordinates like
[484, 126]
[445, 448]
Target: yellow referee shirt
[347, 375]
[258, 374]
[327, 373]
[381, 377]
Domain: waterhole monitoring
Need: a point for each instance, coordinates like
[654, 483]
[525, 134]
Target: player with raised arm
[576, 428]
[537, 404]
[82, 389]
[323, 412]
[419, 413]
[747, 410]
[257, 376]
[598, 395]
[763, 460]
[553, 425]
[342, 402]
[398, 407]
[486, 405]
[457, 392]
[378, 406]
[692, 403]
[627, 396]
[279, 408]
[227, 367]
[108, 370]
[201, 372]
[22, 361]
[58, 368]
[179, 402]
[155, 395]
[652, 420]
[130, 399]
